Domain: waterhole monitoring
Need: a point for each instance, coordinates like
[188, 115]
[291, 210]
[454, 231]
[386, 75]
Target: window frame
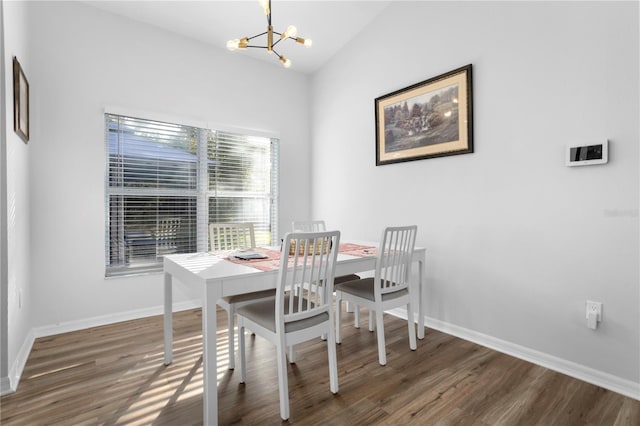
[201, 194]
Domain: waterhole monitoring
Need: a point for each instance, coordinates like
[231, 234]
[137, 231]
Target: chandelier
[289, 33]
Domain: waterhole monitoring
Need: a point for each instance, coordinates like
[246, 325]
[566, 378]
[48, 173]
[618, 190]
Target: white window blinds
[242, 182]
[166, 182]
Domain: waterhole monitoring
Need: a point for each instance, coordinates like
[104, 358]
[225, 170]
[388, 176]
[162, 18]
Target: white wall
[517, 242]
[16, 205]
[84, 59]
[5, 385]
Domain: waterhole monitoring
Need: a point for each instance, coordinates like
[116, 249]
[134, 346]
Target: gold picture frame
[20, 101]
[429, 119]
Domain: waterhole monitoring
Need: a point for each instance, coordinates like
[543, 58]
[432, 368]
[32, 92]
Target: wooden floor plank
[114, 375]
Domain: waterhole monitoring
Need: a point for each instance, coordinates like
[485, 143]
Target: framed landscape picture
[20, 101]
[432, 118]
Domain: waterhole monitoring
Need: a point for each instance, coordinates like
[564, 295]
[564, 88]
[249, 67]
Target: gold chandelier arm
[277, 41]
[256, 36]
[285, 62]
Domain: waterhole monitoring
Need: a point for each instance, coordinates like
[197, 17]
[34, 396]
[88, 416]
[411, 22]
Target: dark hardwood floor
[114, 375]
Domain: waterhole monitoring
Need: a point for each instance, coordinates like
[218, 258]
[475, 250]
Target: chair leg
[333, 359]
[349, 307]
[283, 382]
[372, 322]
[243, 362]
[292, 354]
[382, 353]
[412, 328]
[338, 318]
[231, 330]
[324, 335]
[356, 316]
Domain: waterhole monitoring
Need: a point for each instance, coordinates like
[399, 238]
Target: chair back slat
[309, 225]
[166, 235]
[393, 266]
[305, 279]
[231, 236]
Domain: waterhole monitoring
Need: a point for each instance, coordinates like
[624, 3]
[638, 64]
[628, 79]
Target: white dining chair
[309, 225]
[302, 309]
[320, 226]
[235, 236]
[389, 287]
[166, 235]
[231, 236]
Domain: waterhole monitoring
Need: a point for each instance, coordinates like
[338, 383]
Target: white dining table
[219, 277]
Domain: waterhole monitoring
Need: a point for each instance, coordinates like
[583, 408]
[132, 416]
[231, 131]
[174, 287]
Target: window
[166, 182]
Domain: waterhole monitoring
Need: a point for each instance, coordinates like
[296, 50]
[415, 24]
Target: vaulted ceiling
[330, 24]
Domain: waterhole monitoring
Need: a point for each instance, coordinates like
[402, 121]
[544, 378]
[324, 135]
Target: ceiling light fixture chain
[289, 33]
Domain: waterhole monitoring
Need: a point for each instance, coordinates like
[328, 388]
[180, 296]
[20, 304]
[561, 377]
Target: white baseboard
[578, 371]
[65, 327]
[15, 372]
[5, 386]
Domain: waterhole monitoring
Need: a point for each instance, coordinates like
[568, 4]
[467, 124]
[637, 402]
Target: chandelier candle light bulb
[286, 62]
[306, 42]
[290, 33]
[233, 44]
[266, 6]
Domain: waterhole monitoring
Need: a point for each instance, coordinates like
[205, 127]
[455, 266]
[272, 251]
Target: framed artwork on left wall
[20, 101]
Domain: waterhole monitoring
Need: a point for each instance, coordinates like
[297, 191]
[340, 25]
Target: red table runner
[271, 263]
[273, 256]
[357, 250]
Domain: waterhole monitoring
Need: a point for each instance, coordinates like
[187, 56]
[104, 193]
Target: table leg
[210, 354]
[168, 319]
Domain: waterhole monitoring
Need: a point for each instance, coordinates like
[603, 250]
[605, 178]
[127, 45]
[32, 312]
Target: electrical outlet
[594, 307]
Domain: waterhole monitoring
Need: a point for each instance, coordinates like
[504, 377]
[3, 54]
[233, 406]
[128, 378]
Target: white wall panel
[517, 241]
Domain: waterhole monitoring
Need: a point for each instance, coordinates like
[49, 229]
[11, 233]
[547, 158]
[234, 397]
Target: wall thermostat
[587, 155]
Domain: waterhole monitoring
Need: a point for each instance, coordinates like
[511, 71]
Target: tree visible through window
[166, 182]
